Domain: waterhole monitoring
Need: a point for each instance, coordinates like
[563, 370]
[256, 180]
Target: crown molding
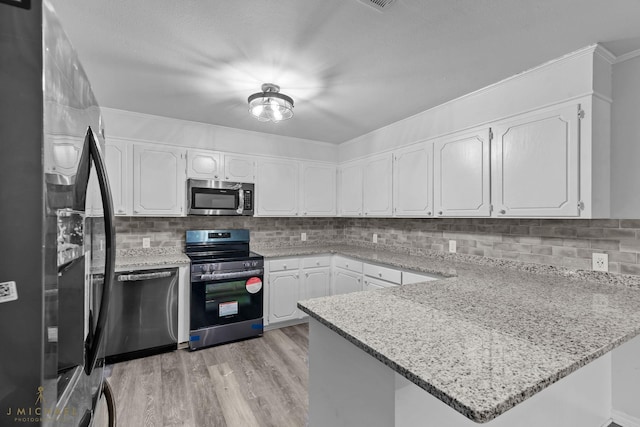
[627, 56]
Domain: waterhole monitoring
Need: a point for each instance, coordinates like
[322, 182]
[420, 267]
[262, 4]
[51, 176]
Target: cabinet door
[350, 189]
[158, 180]
[318, 193]
[204, 164]
[65, 154]
[535, 169]
[345, 281]
[118, 161]
[377, 192]
[239, 168]
[284, 291]
[461, 174]
[372, 284]
[277, 188]
[413, 181]
[316, 282]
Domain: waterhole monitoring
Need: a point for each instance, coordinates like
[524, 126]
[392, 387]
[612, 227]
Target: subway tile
[604, 223]
[519, 229]
[552, 241]
[629, 268]
[564, 252]
[590, 232]
[629, 223]
[628, 257]
[575, 243]
[619, 233]
[576, 263]
[630, 245]
[605, 244]
[541, 250]
[585, 253]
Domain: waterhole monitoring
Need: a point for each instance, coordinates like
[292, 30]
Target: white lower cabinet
[284, 292]
[293, 279]
[345, 281]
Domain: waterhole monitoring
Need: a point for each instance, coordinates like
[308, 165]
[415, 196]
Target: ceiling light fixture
[270, 104]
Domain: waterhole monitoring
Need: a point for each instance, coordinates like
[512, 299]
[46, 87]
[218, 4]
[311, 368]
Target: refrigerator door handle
[94, 340]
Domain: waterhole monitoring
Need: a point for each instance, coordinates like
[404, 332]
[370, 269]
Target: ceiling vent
[380, 5]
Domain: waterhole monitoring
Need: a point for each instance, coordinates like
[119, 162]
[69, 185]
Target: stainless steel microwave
[208, 197]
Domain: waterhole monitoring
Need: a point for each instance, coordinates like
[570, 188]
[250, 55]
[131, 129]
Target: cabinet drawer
[348, 264]
[409, 277]
[372, 284]
[316, 261]
[284, 264]
[384, 273]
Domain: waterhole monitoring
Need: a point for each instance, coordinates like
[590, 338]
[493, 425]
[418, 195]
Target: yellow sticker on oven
[254, 285]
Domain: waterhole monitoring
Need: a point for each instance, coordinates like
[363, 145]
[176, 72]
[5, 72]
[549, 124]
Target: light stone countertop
[150, 258]
[490, 335]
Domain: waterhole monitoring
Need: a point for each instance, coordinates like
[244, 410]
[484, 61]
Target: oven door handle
[232, 275]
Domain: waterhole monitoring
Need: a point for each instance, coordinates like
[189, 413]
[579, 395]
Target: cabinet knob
[284, 267]
[226, 177]
[366, 213]
[502, 211]
[439, 212]
[296, 276]
[429, 213]
[379, 274]
[347, 265]
[359, 213]
[317, 262]
[306, 274]
[215, 176]
[358, 280]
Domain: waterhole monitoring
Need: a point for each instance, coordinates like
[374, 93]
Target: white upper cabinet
[118, 161]
[377, 194]
[204, 164]
[536, 164]
[461, 174]
[413, 181]
[65, 154]
[350, 189]
[158, 180]
[239, 168]
[318, 189]
[277, 187]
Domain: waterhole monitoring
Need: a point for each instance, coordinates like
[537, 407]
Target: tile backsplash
[568, 243]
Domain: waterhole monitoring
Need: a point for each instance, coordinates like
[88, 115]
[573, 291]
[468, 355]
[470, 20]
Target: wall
[163, 130]
[569, 243]
[165, 232]
[625, 137]
[569, 77]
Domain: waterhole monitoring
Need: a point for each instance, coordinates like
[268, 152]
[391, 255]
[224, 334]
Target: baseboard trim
[624, 420]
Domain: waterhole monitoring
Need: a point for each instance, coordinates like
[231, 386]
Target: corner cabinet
[277, 188]
[536, 164]
[461, 174]
[413, 181]
[158, 180]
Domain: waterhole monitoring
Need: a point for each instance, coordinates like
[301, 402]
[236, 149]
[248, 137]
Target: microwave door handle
[241, 201]
[94, 340]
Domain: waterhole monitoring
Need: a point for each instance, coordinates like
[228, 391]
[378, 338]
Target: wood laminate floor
[257, 382]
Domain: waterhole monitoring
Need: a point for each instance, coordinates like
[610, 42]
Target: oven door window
[215, 199]
[223, 302]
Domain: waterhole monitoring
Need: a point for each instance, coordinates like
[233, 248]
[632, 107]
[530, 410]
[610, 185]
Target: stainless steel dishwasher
[143, 315]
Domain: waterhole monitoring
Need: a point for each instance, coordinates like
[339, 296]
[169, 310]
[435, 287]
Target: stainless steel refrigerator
[56, 226]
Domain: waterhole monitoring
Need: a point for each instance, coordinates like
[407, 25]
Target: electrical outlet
[375, 238]
[146, 242]
[600, 262]
[452, 246]
[303, 237]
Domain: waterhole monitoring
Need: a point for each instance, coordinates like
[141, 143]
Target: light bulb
[257, 110]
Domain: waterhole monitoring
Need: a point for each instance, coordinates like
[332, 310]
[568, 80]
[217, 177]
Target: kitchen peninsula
[508, 344]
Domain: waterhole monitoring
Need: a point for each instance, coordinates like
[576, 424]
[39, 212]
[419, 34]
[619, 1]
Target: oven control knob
[246, 264]
[254, 264]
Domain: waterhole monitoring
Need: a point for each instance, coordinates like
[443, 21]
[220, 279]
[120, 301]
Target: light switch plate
[452, 246]
[146, 242]
[375, 238]
[303, 237]
[600, 262]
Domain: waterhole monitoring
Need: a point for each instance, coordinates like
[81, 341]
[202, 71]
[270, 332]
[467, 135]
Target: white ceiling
[349, 68]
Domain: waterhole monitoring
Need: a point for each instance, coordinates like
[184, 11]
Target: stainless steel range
[226, 287]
